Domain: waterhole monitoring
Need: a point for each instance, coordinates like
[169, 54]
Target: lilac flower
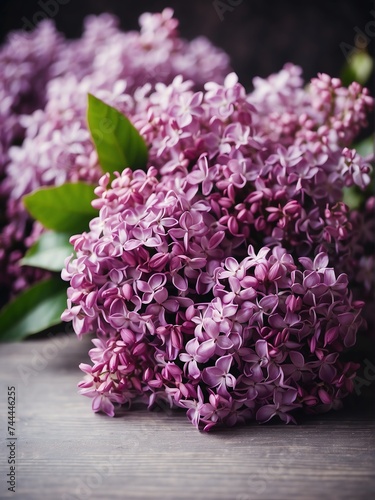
[258, 359]
[219, 375]
[283, 402]
[194, 408]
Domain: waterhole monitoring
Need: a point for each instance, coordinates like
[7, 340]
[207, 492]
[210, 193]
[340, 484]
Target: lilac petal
[157, 280]
[211, 327]
[177, 233]
[248, 294]
[297, 359]
[307, 263]
[275, 272]
[153, 242]
[249, 355]
[234, 284]
[144, 287]
[198, 263]
[85, 368]
[224, 363]
[276, 321]
[321, 261]
[193, 370]
[257, 372]
[171, 305]
[289, 396]
[97, 403]
[265, 413]
[274, 372]
[169, 221]
[327, 373]
[69, 314]
[212, 376]
[249, 282]
[297, 288]
[261, 272]
[230, 310]
[269, 302]
[311, 280]
[224, 342]
[324, 396]
[342, 282]
[179, 282]
[331, 358]
[205, 351]
[261, 348]
[350, 337]
[331, 335]
[216, 239]
[264, 390]
[191, 346]
[195, 177]
[346, 319]
[132, 244]
[251, 393]
[319, 290]
[285, 417]
[161, 295]
[245, 313]
[230, 380]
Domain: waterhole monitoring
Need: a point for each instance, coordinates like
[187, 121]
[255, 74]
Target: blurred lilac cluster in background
[44, 83]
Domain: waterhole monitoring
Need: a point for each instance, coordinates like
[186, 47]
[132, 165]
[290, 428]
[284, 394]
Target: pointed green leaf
[49, 252]
[65, 208]
[34, 310]
[118, 143]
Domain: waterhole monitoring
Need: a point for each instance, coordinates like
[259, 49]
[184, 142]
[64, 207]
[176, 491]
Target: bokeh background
[260, 36]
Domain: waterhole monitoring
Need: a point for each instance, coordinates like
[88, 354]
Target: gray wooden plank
[64, 451]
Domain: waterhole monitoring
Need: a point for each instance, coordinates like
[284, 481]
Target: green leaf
[358, 68]
[65, 208]
[49, 252]
[353, 197]
[34, 310]
[117, 141]
[365, 147]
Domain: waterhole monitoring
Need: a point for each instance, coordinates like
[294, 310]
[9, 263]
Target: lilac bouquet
[218, 279]
[223, 240]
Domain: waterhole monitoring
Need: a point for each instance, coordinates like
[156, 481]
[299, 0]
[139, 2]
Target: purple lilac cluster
[26, 62]
[210, 280]
[43, 99]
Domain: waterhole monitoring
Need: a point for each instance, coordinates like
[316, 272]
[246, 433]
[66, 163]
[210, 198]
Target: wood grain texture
[64, 451]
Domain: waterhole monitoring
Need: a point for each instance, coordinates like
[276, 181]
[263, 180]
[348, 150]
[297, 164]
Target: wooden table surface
[65, 451]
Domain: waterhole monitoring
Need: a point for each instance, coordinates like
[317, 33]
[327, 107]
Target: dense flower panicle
[325, 114]
[178, 318]
[208, 279]
[43, 99]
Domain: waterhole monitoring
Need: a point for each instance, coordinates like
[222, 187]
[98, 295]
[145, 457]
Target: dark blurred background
[260, 36]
